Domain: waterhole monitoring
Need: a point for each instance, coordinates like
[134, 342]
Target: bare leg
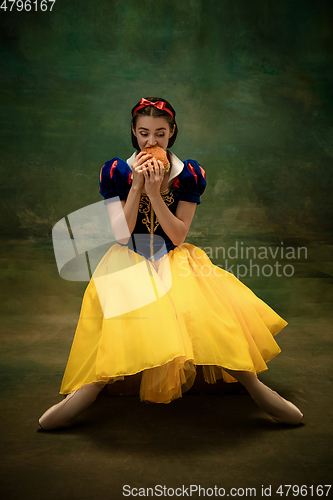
[63, 413]
[271, 402]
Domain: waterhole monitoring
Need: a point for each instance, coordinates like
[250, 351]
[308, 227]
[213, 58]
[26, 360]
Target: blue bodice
[148, 237]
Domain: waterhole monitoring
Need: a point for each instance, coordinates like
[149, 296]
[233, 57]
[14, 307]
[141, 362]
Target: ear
[133, 130]
[173, 131]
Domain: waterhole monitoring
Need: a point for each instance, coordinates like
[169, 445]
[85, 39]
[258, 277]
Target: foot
[63, 413]
[281, 410]
[56, 416]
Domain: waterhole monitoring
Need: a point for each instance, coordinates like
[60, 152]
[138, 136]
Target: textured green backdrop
[251, 83]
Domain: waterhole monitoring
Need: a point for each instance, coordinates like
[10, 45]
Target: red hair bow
[159, 104]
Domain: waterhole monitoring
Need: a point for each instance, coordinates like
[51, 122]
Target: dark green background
[251, 81]
[251, 84]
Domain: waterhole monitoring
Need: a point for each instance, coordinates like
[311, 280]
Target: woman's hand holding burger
[157, 166]
[149, 168]
[138, 167]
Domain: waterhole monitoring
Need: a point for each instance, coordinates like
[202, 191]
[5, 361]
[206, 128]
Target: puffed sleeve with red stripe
[115, 179]
[190, 184]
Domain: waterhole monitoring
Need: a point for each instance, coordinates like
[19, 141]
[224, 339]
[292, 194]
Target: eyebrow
[143, 128]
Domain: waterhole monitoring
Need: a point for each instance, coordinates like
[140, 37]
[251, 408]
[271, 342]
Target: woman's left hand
[154, 175]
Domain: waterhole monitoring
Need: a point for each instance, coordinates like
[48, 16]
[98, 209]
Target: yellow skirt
[163, 318]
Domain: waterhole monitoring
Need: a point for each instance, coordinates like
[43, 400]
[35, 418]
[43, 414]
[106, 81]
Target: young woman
[157, 305]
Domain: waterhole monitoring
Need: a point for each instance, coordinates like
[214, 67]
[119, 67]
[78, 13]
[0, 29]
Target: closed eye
[143, 134]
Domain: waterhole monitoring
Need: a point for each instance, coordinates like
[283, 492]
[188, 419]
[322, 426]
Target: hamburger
[159, 154]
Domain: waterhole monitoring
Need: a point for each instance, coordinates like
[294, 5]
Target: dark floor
[207, 440]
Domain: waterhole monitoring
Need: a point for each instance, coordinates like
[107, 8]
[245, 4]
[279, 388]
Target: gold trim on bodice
[150, 220]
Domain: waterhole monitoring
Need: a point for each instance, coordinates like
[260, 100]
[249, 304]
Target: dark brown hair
[155, 112]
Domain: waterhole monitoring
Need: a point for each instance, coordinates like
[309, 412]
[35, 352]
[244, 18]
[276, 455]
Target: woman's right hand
[138, 167]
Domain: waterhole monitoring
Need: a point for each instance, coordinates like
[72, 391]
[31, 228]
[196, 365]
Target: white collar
[176, 164]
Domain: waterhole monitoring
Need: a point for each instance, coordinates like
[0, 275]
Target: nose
[151, 141]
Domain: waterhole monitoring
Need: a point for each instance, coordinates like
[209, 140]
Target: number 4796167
[27, 5]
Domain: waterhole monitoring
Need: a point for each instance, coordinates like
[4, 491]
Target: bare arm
[175, 226]
[123, 215]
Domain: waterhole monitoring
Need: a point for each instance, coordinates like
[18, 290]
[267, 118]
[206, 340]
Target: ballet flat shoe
[50, 419]
[63, 413]
[295, 417]
[278, 408]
